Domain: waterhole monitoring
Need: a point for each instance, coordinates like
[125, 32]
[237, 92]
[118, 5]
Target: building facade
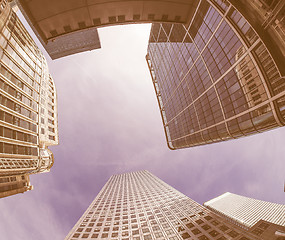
[140, 206]
[247, 211]
[217, 65]
[56, 22]
[221, 76]
[14, 184]
[28, 107]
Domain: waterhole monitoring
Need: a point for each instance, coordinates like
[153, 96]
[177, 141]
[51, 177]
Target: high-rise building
[222, 75]
[28, 107]
[56, 22]
[140, 206]
[217, 65]
[246, 211]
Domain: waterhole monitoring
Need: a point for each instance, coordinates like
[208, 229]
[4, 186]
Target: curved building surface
[28, 107]
[56, 22]
[219, 77]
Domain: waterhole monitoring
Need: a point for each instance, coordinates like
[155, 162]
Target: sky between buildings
[109, 123]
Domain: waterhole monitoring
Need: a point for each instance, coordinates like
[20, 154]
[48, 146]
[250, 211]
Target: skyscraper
[217, 65]
[247, 211]
[55, 22]
[140, 206]
[28, 107]
[222, 75]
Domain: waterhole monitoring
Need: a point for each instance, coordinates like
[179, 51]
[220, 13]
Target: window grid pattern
[7, 164]
[216, 80]
[140, 206]
[14, 184]
[247, 211]
[26, 90]
[19, 95]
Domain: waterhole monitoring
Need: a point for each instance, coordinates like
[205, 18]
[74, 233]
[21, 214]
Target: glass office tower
[222, 75]
[28, 107]
[140, 206]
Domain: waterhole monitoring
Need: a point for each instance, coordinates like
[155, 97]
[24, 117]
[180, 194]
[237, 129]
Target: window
[51, 137]
[223, 228]
[233, 234]
[96, 21]
[169, 231]
[112, 19]
[147, 237]
[189, 225]
[196, 231]
[208, 218]
[76, 235]
[136, 16]
[82, 24]
[134, 226]
[67, 28]
[136, 232]
[145, 230]
[257, 231]
[215, 222]
[155, 228]
[158, 234]
[214, 233]
[206, 227]
[263, 225]
[144, 224]
[53, 33]
[199, 221]
[121, 18]
[104, 235]
[185, 235]
[164, 17]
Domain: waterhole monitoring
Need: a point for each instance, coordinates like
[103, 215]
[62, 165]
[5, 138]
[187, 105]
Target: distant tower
[246, 211]
[28, 107]
[138, 206]
[221, 76]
